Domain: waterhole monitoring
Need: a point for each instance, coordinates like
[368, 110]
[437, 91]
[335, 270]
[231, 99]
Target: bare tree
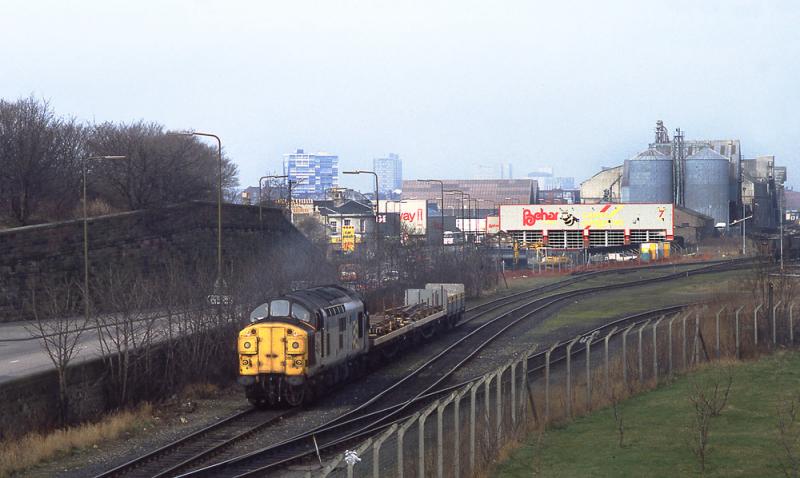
[159, 169]
[59, 332]
[39, 154]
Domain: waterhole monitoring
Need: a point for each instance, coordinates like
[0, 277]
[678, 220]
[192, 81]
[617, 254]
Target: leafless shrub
[698, 428]
[708, 399]
[59, 331]
[788, 427]
[619, 421]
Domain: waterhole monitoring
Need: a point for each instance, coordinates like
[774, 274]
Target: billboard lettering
[586, 216]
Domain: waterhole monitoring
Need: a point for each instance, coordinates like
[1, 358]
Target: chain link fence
[463, 431]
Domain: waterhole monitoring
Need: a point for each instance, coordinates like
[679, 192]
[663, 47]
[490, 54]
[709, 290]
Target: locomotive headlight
[247, 345]
[295, 345]
[299, 362]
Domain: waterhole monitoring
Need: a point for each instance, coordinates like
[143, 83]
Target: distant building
[506, 171]
[547, 180]
[490, 193]
[390, 174]
[316, 172]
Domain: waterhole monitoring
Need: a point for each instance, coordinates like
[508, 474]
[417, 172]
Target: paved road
[22, 351]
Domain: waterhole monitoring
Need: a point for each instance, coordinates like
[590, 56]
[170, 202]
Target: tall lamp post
[441, 212]
[377, 212]
[219, 282]
[469, 214]
[84, 163]
[260, 202]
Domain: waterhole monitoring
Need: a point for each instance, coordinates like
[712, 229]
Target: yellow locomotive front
[273, 355]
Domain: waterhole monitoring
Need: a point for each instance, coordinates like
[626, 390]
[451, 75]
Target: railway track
[381, 409]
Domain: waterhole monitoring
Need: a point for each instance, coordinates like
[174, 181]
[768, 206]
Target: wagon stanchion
[719, 352]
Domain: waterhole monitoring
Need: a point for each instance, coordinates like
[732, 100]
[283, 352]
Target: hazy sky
[572, 85]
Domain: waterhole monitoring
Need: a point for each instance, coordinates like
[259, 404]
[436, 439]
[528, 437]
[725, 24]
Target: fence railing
[461, 433]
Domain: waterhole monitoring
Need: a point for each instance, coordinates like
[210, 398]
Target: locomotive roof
[323, 296]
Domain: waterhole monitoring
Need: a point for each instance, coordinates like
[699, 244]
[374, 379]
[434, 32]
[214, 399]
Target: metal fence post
[719, 352]
[421, 436]
[607, 366]
[547, 384]
[569, 375]
[655, 348]
[589, 374]
[401, 432]
[376, 450]
[641, 351]
[791, 325]
[774, 329]
[625, 355]
[440, 434]
[670, 341]
[755, 325]
[696, 337]
[457, 428]
[738, 342]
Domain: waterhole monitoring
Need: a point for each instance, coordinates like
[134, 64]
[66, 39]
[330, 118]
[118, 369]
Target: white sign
[534, 217]
[492, 224]
[413, 214]
[216, 299]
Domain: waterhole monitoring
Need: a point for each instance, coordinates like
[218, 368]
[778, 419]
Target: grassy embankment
[743, 440]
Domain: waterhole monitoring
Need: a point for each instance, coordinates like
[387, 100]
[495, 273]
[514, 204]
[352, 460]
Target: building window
[733, 150]
[722, 150]
[347, 222]
[363, 226]
[332, 224]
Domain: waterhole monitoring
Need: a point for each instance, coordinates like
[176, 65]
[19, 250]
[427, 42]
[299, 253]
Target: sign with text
[532, 217]
[413, 215]
[348, 238]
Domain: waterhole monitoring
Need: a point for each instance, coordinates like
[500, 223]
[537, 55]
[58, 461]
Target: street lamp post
[291, 184]
[377, 212]
[453, 191]
[469, 215]
[219, 282]
[260, 202]
[441, 213]
[86, 233]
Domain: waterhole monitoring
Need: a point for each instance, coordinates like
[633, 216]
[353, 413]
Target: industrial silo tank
[647, 178]
[707, 188]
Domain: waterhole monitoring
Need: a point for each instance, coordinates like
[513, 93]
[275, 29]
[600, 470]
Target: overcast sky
[572, 85]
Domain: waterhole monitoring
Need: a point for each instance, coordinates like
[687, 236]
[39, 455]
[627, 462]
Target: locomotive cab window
[360, 324]
[279, 308]
[300, 313]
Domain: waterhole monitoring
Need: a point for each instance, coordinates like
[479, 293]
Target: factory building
[486, 194]
[708, 177]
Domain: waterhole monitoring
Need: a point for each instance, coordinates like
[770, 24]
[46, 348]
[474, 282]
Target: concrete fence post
[697, 337]
[569, 375]
[457, 428]
[670, 341]
[487, 399]
[472, 417]
[421, 436]
[755, 325]
[625, 354]
[513, 399]
[401, 433]
[589, 374]
[440, 434]
[655, 348]
[523, 392]
[547, 384]
[376, 450]
[641, 351]
[719, 312]
[499, 406]
[774, 328]
[607, 366]
[791, 325]
[683, 348]
[736, 330]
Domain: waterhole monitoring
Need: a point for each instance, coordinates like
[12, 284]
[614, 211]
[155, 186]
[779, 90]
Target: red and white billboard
[413, 214]
[492, 224]
[534, 217]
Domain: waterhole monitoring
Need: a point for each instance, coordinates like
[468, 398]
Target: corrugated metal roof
[649, 155]
[707, 153]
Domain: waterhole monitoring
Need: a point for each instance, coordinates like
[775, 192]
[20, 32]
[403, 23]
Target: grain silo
[647, 178]
[707, 184]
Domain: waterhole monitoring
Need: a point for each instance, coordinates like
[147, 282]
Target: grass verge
[744, 439]
[35, 448]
